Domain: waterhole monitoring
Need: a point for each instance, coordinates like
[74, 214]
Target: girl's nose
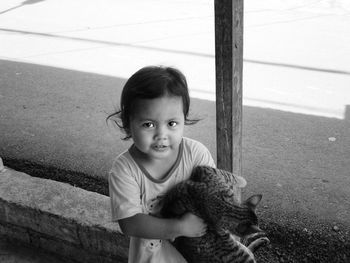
[160, 133]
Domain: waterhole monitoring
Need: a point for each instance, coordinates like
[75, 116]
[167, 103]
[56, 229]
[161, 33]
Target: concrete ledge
[66, 220]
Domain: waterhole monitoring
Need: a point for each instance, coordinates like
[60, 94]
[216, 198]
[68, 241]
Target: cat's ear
[254, 200]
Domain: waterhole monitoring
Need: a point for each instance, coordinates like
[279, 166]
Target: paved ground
[63, 65]
[294, 51]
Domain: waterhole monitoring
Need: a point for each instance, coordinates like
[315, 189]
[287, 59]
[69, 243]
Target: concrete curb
[68, 221]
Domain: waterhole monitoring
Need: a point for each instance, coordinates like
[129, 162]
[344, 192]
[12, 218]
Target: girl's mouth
[160, 147]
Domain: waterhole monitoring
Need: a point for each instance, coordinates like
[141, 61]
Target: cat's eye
[230, 193]
[241, 228]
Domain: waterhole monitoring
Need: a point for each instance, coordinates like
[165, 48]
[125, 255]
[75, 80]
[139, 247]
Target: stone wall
[68, 221]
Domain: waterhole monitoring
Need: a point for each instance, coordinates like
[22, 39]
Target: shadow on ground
[53, 125]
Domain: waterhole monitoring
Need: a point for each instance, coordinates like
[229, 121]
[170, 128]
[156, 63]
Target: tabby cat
[214, 195]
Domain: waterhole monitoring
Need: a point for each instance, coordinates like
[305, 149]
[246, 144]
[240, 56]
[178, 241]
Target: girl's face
[157, 126]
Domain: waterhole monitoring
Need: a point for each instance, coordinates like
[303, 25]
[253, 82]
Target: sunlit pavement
[296, 53]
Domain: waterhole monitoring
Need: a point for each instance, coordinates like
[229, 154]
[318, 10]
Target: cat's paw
[255, 241]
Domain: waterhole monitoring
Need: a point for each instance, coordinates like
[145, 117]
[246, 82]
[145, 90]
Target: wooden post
[229, 69]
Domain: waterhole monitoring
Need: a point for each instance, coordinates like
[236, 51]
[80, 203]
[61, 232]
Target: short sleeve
[202, 155]
[124, 191]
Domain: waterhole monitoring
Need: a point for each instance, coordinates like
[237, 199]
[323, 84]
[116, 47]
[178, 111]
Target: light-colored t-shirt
[132, 190]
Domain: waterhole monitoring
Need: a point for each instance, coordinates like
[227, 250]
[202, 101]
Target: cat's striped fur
[214, 195]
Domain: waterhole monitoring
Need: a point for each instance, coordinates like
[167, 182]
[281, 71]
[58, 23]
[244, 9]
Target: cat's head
[211, 175]
[241, 219]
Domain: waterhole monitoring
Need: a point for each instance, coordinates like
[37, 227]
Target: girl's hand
[192, 225]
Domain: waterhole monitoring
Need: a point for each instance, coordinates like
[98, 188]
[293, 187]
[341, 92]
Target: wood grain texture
[229, 72]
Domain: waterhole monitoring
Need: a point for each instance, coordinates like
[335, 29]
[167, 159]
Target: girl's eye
[148, 125]
[172, 123]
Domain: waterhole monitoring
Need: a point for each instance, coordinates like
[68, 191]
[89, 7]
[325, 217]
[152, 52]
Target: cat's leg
[231, 250]
[198, 249]
[255, 241]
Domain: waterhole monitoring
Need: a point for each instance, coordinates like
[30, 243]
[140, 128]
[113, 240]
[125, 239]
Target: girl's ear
[254, 200]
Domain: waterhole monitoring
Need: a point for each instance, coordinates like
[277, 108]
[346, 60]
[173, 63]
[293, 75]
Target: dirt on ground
[293, 238]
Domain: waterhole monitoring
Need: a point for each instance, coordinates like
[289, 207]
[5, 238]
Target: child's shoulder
[124, 159]
[193, 145]
[197, 153]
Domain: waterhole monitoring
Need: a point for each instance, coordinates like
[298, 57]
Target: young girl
[154, 110]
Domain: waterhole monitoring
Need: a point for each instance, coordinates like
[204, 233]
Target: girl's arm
[150, 227]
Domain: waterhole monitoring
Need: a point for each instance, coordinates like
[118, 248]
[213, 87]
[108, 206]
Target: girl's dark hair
[149, 83]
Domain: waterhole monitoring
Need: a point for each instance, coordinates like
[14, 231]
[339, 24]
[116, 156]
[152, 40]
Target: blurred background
[296, 52]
